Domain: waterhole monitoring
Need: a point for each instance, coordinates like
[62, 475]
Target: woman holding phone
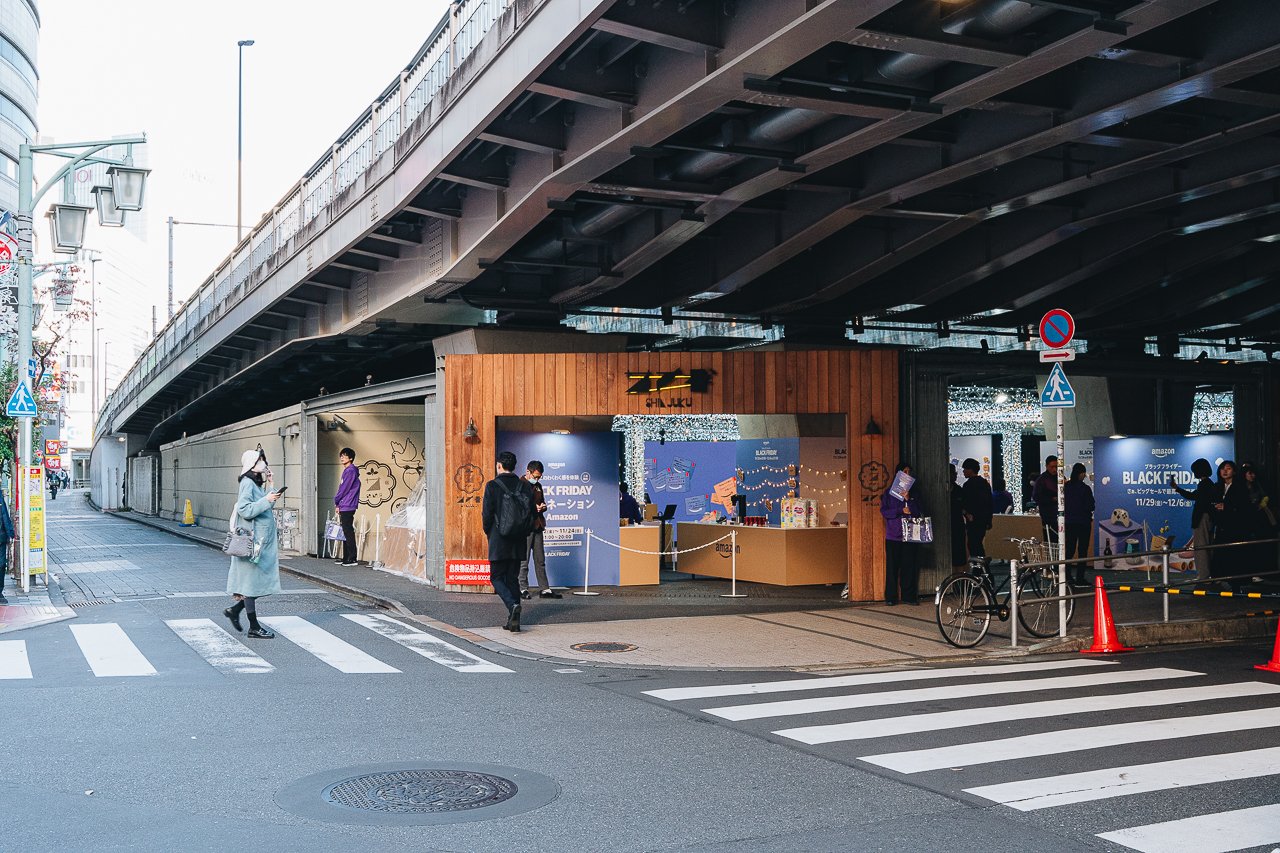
[252, 577]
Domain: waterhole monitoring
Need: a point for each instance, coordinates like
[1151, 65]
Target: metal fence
[350, 158]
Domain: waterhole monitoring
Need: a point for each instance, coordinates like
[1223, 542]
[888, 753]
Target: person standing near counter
[901, 559]
[1202, 501]
[627, 506]
[1045, 494]
[533, 476]
[975, 501]
[1078, 506]
[1001, 497]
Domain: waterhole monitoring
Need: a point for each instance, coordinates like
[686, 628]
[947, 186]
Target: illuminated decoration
[971, 411]
[1212, 411]
[637, 429]
[696, 381]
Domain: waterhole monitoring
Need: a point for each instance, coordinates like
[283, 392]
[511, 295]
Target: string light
[637, 429]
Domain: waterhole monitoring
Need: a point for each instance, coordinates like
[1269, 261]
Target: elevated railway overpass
[716, 174]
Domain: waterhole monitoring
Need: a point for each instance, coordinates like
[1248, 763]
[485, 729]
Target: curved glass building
[19, 34]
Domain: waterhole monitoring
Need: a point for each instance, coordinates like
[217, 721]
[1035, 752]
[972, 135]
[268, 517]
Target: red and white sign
[8, 250]
[1057, 328]
[467, 572]
[1047, 355]
[53, 463]
[53, 447]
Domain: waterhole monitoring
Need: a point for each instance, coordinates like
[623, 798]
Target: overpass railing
[309, 204]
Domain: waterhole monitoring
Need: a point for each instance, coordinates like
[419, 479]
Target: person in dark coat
[533, 476]
[1232, 514]
[1261, 524]
[1078, 506]
[7, 534]
[959, 554]
[1203, 499]
[1001, 497]
[975, 502]
[1045, 495]
[505, 552]
[901, 559]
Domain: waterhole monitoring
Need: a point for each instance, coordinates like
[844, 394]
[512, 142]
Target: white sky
[314, 66]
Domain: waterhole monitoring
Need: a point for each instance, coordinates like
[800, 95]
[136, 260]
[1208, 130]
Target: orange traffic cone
[1272, 665]
[1105, 641]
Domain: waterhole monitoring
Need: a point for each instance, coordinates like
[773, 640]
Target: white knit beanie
[248, 459]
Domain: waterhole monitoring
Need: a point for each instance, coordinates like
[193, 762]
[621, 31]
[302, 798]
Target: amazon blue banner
[580, 484]
[685, 473]
[1131, 486]
[767, 465]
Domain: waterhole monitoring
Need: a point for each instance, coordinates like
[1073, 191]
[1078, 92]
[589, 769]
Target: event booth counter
[796, 556]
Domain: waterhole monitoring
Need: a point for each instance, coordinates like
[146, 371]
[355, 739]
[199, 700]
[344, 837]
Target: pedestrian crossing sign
[21, 403]
[1058, 393]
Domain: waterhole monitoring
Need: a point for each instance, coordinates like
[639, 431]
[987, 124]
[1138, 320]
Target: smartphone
[281, 490]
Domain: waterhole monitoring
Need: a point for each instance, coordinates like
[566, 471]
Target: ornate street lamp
[104, 198]
[66, 226]
[127, 182]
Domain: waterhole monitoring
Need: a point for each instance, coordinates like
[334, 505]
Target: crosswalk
[1087, 736]
[110, 652]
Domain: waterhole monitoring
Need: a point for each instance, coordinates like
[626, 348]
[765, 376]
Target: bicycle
[966, 602]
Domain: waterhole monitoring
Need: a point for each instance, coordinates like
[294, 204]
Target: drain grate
[607, 648]
[421, 791]
[76, 605]
[417, 793]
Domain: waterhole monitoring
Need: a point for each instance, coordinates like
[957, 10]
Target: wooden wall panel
[861, 384]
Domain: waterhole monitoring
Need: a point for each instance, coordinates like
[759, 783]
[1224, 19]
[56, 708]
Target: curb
[1147, 635]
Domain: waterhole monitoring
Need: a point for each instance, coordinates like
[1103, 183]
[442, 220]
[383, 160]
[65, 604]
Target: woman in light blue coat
[259, 575]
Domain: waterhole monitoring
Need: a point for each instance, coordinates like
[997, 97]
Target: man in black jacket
[975, 500]
[505, 552]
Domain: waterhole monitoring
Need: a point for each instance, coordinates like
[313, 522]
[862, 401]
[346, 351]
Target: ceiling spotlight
[1117, 435]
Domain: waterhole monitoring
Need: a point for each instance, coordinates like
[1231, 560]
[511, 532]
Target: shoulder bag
[239, 541]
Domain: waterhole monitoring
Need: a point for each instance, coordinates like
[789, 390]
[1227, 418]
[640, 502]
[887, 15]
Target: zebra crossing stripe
[420, 642]
[1211, 833]
[931, 694]
[110, 652]
[338, 653]
[675, 694]
[221, 650]
[1032, 794]
[13, 659]
[916, 723]
[1073, 740]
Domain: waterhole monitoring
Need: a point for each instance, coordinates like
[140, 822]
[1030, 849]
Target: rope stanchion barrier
[670, 553]
[586, 569]
[733, 583]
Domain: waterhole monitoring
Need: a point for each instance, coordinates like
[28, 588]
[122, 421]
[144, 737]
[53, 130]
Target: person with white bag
[904, 528]
[257, 574]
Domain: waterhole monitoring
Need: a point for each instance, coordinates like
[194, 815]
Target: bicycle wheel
[964, 611]
[1038, 602]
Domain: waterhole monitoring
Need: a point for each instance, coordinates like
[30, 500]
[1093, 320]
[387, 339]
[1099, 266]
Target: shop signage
[53, 447]
[53, 463]
[678, 386]
[467, 572]
[35, 520]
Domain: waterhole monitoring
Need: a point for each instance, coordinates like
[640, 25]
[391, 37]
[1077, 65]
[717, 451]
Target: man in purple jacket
[346, 500]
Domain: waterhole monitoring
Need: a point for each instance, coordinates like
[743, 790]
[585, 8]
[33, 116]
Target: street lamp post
[173, 222]
[68, 236]
[240, 45]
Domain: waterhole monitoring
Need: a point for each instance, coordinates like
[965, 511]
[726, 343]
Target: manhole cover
[604, 647]
[417, 793]
[421, 791]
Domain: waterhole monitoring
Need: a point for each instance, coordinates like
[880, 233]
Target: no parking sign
[1057, 328]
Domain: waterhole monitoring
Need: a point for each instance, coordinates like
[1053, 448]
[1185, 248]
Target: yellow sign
[35, 520]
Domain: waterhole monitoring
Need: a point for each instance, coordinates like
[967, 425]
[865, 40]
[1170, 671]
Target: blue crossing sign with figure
[1058, 393]
[21, 403]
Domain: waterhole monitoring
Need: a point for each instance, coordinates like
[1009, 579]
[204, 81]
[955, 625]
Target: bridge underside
[810, 167]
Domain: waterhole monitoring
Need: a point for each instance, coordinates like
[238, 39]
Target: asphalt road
[145, 724]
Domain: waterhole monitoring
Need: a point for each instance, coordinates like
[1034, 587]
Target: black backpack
[515, 512]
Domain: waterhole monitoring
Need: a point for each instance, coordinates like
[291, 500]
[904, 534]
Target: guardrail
[375, 132]
[1165, 588]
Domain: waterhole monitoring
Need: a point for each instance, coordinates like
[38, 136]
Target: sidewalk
[686, 624]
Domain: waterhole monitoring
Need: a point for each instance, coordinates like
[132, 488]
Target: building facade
[19, 82]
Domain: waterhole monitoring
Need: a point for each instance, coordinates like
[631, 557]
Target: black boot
[258, 632]
[233, 613]
[513, 622]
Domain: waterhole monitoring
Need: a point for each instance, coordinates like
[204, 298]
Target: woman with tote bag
[258, 574]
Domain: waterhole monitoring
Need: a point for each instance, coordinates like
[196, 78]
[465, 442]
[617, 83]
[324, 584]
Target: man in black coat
[975, 500]
[505, 552]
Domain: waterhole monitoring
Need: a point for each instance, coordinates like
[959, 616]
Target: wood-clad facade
[862, 385]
